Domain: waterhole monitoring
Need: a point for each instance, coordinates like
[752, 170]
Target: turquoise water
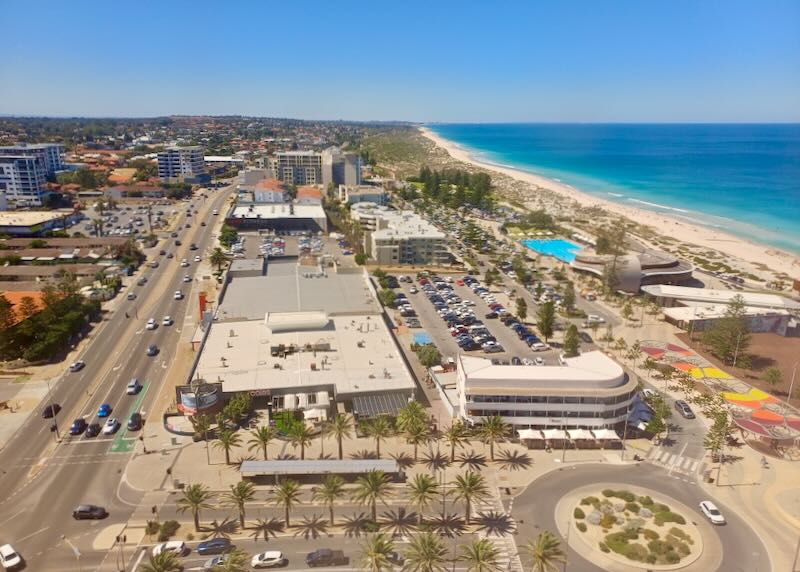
[562, 249]
[422, 338]
[742, 178]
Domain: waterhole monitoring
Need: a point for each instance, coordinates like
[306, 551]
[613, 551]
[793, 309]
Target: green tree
[571, 341]
[375, 553]
[546, 320]
[568, 297]
[456, 435]
[649, 365]
[236, 560]
[240, 494]
[300, 435]
[370, 488]
[226, 441]
[386, 296]
[261, 438]
[328, 492]
[426, 552]
[729, 336]
[773, 376]
[379, 429]
[27, 308]
[522, 308]
[340, 427]
[218, 258]
[480, 555]
[470, 487]
[492, 430]
[412, 413]
[546, 552]
[422, 491]
[417, 434]
[287, 496]
[488, 278]
[228, 236]
[164, 562]
[195, 497]
[429, 355]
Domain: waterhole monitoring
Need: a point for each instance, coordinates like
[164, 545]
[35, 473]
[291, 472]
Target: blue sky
[626, 60]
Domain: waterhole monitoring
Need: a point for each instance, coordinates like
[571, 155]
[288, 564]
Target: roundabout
[681, 530]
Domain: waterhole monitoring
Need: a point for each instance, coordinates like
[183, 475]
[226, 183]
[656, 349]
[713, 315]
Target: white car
[712, 512]
[187, 278]
[178, 295]
[268, 559]
[197, 259]
[77, 365]
[167, 321]
[10, 558]
[538, 346]
[538, 361]
[111, 426]
[177, 547]
[184, 263]
[649, 393]
[151, 324]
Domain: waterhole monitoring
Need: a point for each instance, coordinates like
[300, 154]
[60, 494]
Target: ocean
[740, 178]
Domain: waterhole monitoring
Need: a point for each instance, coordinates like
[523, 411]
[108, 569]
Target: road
[42, 481]
[534, 510]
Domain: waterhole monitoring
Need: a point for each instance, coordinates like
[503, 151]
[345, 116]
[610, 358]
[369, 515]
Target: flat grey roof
[318, 467]
[379, 404]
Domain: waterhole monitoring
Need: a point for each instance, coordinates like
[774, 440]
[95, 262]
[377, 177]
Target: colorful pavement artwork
[752, 409]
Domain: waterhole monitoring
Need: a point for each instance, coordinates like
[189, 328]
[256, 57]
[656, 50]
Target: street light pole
[791, 388]
[50, 401]
[75, 551]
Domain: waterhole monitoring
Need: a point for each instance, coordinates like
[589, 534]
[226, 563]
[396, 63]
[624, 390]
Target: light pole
[625, 432]
[791, 388]
[75, 551]
[50, 402]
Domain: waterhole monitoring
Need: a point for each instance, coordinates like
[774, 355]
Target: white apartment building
[22, 179]
[589, 391]
[52, 154]
[354, 194]
[179, 163]
[340, 168]
[296, 167]
[400, 237]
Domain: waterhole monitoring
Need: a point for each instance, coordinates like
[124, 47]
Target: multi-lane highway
[42, 480]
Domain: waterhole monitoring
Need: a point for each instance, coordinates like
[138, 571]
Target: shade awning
[290, 402]
[580, 434]
[379, 404]
[607, 434]
[530, 434]
[554, 434]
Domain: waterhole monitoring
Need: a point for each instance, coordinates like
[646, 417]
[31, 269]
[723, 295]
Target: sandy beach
[750, 253]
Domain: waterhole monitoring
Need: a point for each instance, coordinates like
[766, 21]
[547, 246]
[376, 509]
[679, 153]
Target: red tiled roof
[270, 185]
[309, 193]
[16, 299]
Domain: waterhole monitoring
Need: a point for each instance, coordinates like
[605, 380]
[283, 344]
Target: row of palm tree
[368, 490]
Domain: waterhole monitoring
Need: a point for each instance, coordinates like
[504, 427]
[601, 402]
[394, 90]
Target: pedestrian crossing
[508, 557]
[675, 462]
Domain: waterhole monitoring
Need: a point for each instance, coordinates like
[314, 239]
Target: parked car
[325, 557]
[77, 365]
[683, 408]
[78, 426]
[269, 559]
[89, 512]
[177, 547]
[711, 512]
[10, 558]
[215, 546]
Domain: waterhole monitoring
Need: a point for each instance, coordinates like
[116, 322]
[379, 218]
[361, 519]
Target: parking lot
[445, 303]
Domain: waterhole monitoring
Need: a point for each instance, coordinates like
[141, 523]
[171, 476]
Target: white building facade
[179, 163]
[23, 179]
[296, 167]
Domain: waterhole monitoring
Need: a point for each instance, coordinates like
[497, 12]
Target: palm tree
[218, 258]
[425, 553]
[546, 552]
[456, 436]
[195, 497]
[201, 425]
[331, 490]
[375, 553]
[300, 436]
[240, 494]
[340, 427]
[287, 495]
[417, 434]
[480, 556]
[492, 430]
[470, 486]
[423, 491]
[379, 429]
[413, 413]
[371, 488]
[164, 562]
[226, 441]
[262, 437]
[237, 560]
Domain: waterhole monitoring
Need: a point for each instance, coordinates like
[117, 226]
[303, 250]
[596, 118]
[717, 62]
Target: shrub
[604, 547]
[678, 533]
[622, 494]
[578, 513]
[672, 558]
[151, 528]
[590, 501]
[650, 534]
[581, 526]
[633, 507]
[190, 537]
[617, 541]
[595, 517]
[659, 507]
[168, 529]
[608, 520]
[659, 547]
[667, 516]
[608, 493]
[645, 512]
[651, 559]
[636, 552]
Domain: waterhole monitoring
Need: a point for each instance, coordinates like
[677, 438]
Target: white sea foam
[658, 206]
[615, 194]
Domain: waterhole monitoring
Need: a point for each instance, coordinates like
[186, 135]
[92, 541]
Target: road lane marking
[32, 534]
[12, 517]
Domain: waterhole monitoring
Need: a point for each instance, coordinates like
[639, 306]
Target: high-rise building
[352, 170]
[340, 168]
[182, 164]
[52, 154]
[22, 179]
[297, 167]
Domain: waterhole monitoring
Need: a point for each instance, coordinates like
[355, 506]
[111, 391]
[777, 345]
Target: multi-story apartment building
[296, 167]
[354, 194]
[22, 179]
[182, 164]
[52, 154]
[400, 237]
[340, 168]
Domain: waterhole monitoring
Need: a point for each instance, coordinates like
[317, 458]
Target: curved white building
[588, 391]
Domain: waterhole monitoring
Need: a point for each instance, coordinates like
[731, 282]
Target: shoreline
[778, 261]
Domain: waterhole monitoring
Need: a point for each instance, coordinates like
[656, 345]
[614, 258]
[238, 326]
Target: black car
[51, 411]
[78, 426]
[89, 512]
[135, 422]
[193, 246]
[93, 430]
[174, 234]
[215, 546]
[162, 252]
[178, 243]
[491, 315]
[152, 350]
[141, 281]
